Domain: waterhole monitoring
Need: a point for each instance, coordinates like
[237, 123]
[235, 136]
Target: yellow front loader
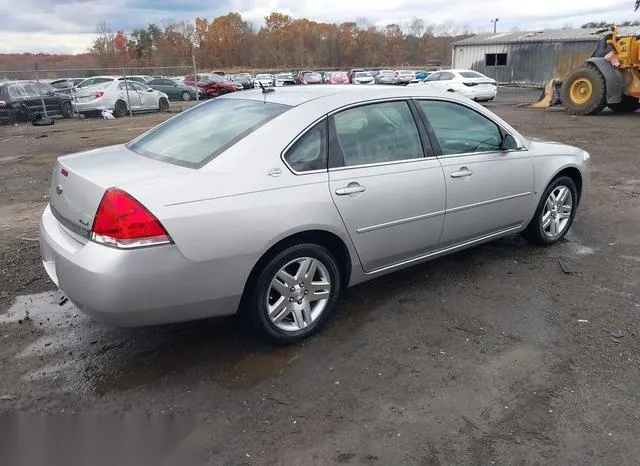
[610, 78]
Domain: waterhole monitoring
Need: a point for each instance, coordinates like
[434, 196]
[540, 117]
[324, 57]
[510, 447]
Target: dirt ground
[503, 354]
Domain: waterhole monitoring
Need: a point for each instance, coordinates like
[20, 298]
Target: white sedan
[265, 79]
[469, 83]
[120, 97]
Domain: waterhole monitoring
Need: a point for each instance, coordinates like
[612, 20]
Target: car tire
[186, 95]
[120, 109]
[549, 224]
[66, 109]
[23, 114]
[223, 92]
[281, 283]
[163, 105]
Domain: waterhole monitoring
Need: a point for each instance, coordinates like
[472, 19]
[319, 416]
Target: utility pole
[495, 24]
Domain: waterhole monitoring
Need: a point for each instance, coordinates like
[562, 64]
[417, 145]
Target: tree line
[231, 42]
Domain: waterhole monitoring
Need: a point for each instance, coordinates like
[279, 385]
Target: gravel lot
[501, 354]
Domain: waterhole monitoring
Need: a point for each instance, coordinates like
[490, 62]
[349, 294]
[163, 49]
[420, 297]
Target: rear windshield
[263, 76]
[198, 135]
[470, 74]
[313, 75]
[363, 74]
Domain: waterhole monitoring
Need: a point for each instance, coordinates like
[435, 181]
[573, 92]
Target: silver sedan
[270, 204]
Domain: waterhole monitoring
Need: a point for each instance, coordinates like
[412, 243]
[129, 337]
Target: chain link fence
[40, 96]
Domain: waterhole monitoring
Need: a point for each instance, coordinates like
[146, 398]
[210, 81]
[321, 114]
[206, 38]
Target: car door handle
[352, 188]
[463, 172]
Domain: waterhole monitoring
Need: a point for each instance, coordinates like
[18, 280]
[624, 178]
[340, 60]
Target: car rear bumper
[484, 94]
[130, 288]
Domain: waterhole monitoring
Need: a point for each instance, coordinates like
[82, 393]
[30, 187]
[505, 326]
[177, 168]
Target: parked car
[21, 101]
[215, 85]
[159, 227]
[385, 77]
[353, 72]
[338, 77]
[363, 77]
[116, 95]
[403, 76]
[265, 79]
[245, 79]
[285, 79]
[469, 83]
[310, 77]
[175, 90]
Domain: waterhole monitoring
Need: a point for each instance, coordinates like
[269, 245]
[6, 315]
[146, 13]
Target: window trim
[436, 145]
[322, 120]
[333, 137]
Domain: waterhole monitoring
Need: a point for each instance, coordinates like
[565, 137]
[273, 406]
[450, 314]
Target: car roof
[298, 95]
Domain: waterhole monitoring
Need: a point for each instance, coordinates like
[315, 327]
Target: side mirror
[509, 142]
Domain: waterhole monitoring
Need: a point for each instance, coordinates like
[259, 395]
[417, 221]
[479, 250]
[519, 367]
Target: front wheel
[584, 91]
[294, 294]
[66, 109]
[555, 213]
[163, 105]
[186, 95]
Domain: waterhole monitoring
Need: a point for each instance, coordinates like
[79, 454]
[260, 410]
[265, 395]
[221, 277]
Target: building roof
[545, 35]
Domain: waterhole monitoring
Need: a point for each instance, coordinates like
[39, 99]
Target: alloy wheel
[298, 294]
[556, 213]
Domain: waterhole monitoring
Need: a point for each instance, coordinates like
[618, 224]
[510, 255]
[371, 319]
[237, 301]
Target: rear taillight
[469, 83]
[122, 222]
[96, 95]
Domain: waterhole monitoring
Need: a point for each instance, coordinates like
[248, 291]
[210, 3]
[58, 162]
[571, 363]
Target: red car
[309, 77]
[338, 77]
[212, 83]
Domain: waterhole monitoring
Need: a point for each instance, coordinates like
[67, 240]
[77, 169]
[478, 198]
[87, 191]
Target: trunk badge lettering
[58, 190]
[83, 222]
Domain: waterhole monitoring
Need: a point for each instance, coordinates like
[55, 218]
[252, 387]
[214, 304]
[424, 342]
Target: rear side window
[198, 135]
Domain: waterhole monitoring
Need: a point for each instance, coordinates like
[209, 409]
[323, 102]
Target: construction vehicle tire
[584, 91]
[628, 104]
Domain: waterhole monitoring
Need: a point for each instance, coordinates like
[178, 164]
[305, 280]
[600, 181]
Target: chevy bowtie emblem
[58, 189]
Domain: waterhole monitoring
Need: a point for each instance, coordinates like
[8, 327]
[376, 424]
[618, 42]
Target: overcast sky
[68, 26]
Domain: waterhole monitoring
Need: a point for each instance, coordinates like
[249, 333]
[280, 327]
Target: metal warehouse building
[532, 57]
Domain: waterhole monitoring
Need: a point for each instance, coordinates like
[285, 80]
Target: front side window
[310, 151]
[459, 129]
[433, 77]
[375, 133]
[198, 135]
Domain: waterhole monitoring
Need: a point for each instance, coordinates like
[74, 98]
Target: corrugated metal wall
[527, 63]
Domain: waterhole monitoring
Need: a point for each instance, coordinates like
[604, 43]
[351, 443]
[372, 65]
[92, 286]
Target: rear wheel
[584, 91]
[186, 95]
[628, 104]
[163, 105]
[120, 109]
[554, 214]
[294, 294]
[223, 92]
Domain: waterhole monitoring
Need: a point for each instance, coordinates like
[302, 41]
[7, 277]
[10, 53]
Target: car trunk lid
[80, 180]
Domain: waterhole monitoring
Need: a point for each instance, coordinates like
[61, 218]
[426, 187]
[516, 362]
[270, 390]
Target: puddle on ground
[80, 354]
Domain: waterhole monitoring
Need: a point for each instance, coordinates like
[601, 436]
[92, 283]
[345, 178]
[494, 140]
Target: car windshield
[285, 76]
[386, 73]
[263, 76]
[339, 74]
[312, 76]
[198, 135]
[471, 74]
[363, 74]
